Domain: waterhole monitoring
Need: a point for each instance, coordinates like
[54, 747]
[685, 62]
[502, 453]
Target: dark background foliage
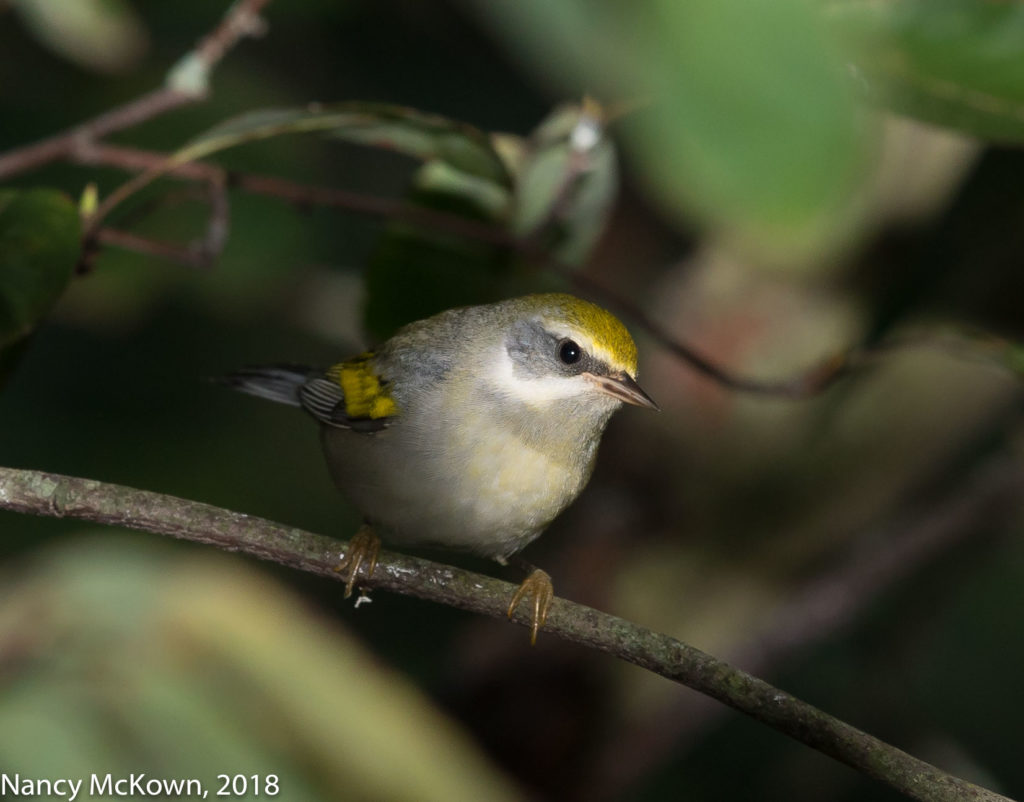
[853, 547]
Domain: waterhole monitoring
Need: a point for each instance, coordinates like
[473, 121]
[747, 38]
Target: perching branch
[927, 530]
[38, 493]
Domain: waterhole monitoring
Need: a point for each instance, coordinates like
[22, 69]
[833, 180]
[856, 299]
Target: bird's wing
[350, 395]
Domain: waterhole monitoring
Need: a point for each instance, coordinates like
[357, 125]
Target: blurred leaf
[1015, 359]
[88, 200]
[566, 179]
[39, 246]
[415, 272]
[564, 184]
[125, 658]
[765, 146]
[957, 63]
[423, 136]
[971, 344]
[104, 35]
[558, 187]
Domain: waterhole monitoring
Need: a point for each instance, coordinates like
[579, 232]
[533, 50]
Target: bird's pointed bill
[623, 387]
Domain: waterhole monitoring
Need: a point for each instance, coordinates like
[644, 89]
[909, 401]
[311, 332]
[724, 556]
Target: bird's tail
[280, 383]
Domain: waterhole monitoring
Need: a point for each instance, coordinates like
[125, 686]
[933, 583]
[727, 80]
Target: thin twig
[190, 255]
[823, 606]
[300, 195]
[38, 493]
[240, 20]
[150, 105]
[807, 384]
[80, 144]
[219, 223]
[388, 208]
[189, 193]
[188, 83]
[101, 154]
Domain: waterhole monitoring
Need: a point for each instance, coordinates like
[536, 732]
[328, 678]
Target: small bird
[470, 430]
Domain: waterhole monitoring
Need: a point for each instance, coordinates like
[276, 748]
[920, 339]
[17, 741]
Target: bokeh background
[793, 180]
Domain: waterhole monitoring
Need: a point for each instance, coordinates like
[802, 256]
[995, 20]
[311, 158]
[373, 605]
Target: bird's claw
[362, 550]
[537, 586]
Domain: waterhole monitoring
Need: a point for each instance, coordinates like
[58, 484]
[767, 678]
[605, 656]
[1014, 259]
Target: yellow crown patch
[609, 336]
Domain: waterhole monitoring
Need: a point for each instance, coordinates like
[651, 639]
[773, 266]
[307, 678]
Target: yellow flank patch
[365, 395]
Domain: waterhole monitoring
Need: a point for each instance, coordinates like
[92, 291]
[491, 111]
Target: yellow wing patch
[365, 394]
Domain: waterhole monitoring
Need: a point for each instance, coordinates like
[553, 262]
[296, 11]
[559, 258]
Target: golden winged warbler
[469, 430]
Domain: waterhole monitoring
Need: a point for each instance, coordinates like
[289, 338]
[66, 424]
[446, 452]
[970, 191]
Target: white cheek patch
[536, 392]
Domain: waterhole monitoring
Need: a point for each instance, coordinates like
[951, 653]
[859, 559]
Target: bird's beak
[623, 387]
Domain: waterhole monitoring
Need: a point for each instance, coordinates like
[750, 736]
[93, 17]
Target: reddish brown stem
[241, 19]
[190, 255]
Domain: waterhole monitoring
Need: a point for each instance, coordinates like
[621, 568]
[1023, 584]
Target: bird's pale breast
[470, 487]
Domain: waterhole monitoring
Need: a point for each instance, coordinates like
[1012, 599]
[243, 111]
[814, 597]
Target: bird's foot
[538, 588]
[362, 550]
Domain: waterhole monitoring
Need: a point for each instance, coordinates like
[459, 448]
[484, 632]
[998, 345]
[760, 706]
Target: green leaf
[566, 180]
[748, 119]
[129, 656]
[417, 271]
[103, 35]
[423, 136]
[39, 246]
[957, 63]
[1014, 359]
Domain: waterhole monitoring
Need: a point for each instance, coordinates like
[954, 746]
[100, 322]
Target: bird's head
[559, 351]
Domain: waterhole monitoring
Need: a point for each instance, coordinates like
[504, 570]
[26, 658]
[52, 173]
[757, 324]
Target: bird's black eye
[569, 352]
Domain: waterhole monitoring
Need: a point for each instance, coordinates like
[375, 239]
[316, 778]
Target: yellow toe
[538, 589]
[362, 550]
